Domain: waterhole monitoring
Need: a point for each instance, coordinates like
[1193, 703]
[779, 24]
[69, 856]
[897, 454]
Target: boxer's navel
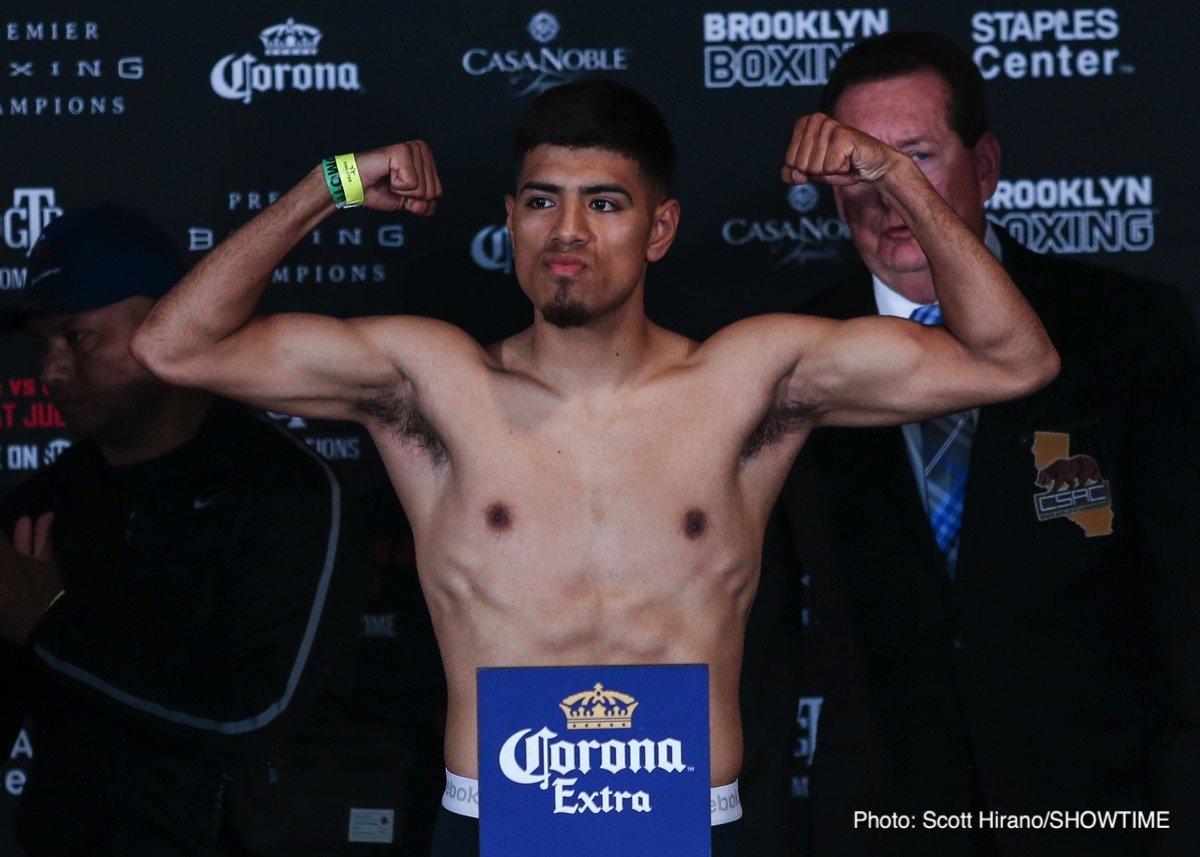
[695, 523]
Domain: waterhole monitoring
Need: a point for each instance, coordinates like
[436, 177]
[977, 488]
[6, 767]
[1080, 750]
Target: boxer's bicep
[306, 365]
[878, 371]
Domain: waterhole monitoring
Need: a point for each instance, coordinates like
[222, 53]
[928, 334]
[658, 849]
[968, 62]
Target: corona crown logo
[599, 709]
[290, 39]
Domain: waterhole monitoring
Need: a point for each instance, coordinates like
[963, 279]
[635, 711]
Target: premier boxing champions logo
[68, 76]
[784, 48]
[292, 45]
[1048, 43]
[797, 240]
[541, 758]
[1092, 214]
[342, 238]
[531, 71]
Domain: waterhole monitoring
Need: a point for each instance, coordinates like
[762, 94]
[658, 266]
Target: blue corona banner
[594, 761]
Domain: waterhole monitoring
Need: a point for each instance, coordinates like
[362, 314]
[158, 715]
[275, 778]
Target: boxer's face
[93, 379]
[584, 223]
[910, 113]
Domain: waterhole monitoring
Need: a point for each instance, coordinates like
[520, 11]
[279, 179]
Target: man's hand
[824, 150]
[402, 176]
[29, 578]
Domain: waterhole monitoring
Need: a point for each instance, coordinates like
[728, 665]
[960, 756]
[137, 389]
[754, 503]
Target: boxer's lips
[564, 265]
[898, 233]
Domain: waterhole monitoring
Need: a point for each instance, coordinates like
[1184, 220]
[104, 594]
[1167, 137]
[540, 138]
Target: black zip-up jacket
[204, 604]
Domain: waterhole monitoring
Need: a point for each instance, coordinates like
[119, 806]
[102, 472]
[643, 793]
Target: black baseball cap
[94, 257]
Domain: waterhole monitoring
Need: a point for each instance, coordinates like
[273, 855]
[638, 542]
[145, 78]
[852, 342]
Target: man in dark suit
[1022, 594]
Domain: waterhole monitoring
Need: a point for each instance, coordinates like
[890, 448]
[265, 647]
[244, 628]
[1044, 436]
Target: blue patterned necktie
[946, 449]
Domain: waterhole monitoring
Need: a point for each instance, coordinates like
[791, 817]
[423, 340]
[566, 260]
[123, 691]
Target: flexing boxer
[594, 489]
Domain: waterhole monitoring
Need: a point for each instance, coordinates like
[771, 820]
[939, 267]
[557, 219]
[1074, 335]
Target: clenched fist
[401, 176]
[824, 150]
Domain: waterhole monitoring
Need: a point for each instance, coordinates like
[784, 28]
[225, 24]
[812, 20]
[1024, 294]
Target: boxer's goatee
[564, 311]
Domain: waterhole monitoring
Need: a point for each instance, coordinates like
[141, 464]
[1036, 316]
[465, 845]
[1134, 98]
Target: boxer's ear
[662, 231]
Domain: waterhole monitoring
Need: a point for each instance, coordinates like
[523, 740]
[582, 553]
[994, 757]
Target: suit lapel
[852, 299]
[999, 425]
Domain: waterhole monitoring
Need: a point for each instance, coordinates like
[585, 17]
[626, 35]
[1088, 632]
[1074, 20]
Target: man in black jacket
[175, 577]
[1020, 579]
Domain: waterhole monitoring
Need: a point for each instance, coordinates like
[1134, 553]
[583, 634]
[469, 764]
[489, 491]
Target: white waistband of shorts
[725, 804]
[461, 797]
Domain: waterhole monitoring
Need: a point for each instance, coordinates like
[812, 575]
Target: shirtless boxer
[594, 489]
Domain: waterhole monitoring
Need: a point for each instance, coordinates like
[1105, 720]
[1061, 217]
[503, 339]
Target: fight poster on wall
[594, 761]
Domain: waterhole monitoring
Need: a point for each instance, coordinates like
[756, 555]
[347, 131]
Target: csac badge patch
[1072, 486]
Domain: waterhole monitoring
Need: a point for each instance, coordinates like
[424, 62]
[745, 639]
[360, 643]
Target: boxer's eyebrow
[606, 189]
[540, 187]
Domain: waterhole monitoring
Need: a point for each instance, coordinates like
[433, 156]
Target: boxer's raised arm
[876, 371]
[204, 333]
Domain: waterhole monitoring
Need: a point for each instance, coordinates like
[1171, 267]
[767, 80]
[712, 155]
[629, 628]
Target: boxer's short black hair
[601, 114]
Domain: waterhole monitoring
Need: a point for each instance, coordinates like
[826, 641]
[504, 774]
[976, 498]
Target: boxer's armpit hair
[400, 413]
[781, 421]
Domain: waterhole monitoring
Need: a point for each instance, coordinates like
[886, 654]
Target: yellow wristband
[54, 600]
[347, 169]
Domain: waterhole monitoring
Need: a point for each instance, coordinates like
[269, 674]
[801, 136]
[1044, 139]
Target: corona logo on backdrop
[797, 240]
[535, 70]
[491, 249]
[782, 48]
[540, 757]
[292, 46]
[1082, 214]
[1048, 43]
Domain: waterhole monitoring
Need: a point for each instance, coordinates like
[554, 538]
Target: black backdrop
[195, 114]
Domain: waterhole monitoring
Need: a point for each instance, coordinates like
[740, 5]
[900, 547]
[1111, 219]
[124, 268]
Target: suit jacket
[1060, 669]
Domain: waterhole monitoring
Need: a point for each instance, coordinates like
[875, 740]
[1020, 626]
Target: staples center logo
[533, 71]
[237, 78]
[551, 763]
[1048, 43]
[1092, 214]
[782, 48]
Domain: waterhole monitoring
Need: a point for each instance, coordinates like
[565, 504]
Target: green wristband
[333, 181]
